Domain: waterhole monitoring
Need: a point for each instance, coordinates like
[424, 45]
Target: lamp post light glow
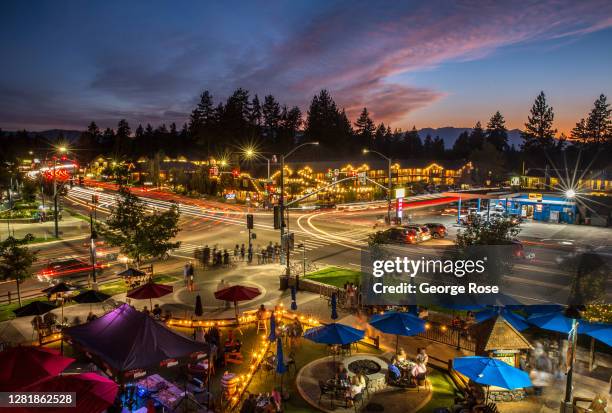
[570, 193]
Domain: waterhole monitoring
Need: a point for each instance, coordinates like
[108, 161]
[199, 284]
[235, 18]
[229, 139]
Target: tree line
[217, 128]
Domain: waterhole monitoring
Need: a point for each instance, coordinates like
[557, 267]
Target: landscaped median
[324, 281]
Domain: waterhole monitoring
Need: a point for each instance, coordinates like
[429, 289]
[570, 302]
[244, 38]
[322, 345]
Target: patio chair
[326, 390]
[357, 399]
[290, 362]
[345, 350]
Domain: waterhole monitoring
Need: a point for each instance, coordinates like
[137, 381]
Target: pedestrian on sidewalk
[250, 257]
[185, 274]
[206, 256]
[242, 251]
[236, 252]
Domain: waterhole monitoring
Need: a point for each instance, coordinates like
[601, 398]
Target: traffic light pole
[56, 211]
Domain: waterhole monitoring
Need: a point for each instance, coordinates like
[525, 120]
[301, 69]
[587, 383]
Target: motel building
[543, 207]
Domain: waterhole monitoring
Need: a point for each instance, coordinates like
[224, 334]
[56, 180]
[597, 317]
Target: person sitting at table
[423, 312]
[249, 405]
[422, 356]
[354, 389]
[394, 373]
[456, 322]
[400, 357]
[146, 310]
[342, 374]
[418, 371]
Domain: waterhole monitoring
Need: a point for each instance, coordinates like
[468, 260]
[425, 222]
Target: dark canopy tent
[127, 339]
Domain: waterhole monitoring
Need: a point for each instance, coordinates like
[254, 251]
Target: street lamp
[281, 199]
[570, 193]
[366, 151]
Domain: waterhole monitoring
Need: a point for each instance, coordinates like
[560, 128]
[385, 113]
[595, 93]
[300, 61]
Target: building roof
[497, 334]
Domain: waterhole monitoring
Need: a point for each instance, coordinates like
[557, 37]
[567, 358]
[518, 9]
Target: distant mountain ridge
[450, 133]
[52, 134]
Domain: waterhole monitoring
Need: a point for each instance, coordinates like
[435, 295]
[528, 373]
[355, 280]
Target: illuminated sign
[535, 196]
[400, 193]
[400, 207]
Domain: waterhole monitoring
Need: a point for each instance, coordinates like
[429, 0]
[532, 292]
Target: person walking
[185, 274]
[190, 275]
[250, 256]
[206, 256]
[236, 252]
[242, 251]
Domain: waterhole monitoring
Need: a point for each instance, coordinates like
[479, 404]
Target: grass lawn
[444, 391]
[335, 276]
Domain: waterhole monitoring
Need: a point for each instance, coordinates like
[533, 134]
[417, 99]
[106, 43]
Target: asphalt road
[328, 238]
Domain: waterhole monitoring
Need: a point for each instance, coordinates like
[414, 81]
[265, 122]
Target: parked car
[58, 270]
[400, 235]
[437, 230]
[422, 231]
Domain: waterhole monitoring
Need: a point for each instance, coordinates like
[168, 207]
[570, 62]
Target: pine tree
[497, 134]
[580, 132]
[271, 117]
[539, 132]
[598, 124]
[461, 147]
[477, 137]
[255, 112]
[139, 131]
[364, 127]
[428, 146]
[413, 147]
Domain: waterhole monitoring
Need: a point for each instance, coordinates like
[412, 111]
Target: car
[437, 230]
[422, 231]
[400, 235]
[65, 268]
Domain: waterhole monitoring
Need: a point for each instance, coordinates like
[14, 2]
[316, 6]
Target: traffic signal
[277, 217]
[249, 221]
[235, 173]
[80, 181]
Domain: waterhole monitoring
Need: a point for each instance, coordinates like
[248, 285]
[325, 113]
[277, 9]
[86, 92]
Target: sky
[424, 63]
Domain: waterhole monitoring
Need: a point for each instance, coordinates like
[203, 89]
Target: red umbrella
[150, 290]
[24, 366]
[94, 393]
[237, 293]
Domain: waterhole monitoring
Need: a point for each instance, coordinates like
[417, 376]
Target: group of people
[262, 403]
[404, 369]
[269, 254]
[218, 257]
[463, 323]
[351, 293]
[352, 386]
[156, 312]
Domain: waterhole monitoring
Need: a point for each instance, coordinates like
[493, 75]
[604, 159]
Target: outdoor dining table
[162, 390]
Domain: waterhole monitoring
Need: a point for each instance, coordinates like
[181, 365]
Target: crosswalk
[303, 242]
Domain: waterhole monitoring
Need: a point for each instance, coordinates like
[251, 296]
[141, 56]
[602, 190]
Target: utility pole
[389, 186]
[56, 211]
[93, 236]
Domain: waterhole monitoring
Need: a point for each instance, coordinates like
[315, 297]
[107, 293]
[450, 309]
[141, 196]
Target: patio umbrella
[293, 299]
[281, 368]
[398, 323]
[91, 297]
[58, 288]
[272, 335]
[131, 272]
[598, 331]
[514, 319]
[237, 293]
[334, 304]
[94, 393]
[334, 333]
[24, 365]
[198, 306]
[556, 321]
[34, 308]
[491, 372]
[150, 290]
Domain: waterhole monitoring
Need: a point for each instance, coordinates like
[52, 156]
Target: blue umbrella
[515, 320]
[400, 324]
[599, 331]
[334, 313]
[491, 372]
[293, 299]
[280, 361]
[552, 321]
[334, 333]
[272, 335]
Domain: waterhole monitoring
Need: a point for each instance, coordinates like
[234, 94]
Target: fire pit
[371, 366]
[364, 366]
